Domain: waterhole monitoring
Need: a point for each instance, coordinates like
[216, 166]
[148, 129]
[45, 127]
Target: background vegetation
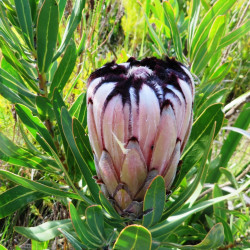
[48, 50]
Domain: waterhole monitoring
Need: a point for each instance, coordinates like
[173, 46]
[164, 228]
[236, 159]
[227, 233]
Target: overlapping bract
[139, 120]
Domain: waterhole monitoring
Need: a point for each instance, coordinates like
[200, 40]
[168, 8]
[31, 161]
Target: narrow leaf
[83, 166]
[45, 231]
[198, 139]
[44, 108]
[11, 58]
[76, 244]
[230, 144]
[219, 8]
[13, 154]
[213, 239]
[35, 126]
[175, 34]
[24, 17]
[82, 229]
[174, 221]
[234, 35]
[95, 221]
[192, 191]
[74, 20]
[154, 200]
[207, 49]
[36, 186]
[193, 19]
[64, 69]
[82, 142]
[47, 29]
[12, 83]
[61, 4]
[16, 198]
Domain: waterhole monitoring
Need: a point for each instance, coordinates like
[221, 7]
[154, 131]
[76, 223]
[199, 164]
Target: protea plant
[139, 120]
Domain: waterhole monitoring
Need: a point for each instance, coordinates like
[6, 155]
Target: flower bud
[139, 120]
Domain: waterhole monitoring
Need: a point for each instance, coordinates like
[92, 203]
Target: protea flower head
[139, 120]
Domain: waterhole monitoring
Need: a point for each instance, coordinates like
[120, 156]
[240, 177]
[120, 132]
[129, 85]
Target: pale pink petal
[113, 128]
[149, 118]
[107, 172]
[95, 143]
[188, 98]
[134, 169]
[179, 108]
[98, 106]
[127, 116]
[165, 140]
[92, 86]
[170, 173]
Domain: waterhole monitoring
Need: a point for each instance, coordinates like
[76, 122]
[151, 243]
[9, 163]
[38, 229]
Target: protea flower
[139, 120]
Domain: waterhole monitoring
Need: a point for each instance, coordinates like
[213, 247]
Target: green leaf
[37, 245]
[7, 31]
[155, 37]
[234, 35]
[13, 154]
[83, 166]
[227, 231]
[11, 58]
[74, 20]
[82, 116]
[95, 221]
[45, 231]
[73, 169]
[230, 144]
[61, 4]
[44, 108]
[208, 47]
[232, 179]
[198, 139]
[154, 202]
[64, 69]
[35, 126]
[25, 20]
[174, 221]
[193, 19]
[9, 95]
[192, 191]
[213, 240]
[133, 237]
[82, 142]
[47, 29]
[218, 207]
[67, 176]
[75, 108]
[82, 229]
[2, 247]
[108, 207]
[219, 8]
[229, 176]
[216, 97]
[36, 186]
[12, 83]
[16, 198]
[175, 34]
[220, 73]
[77, 245]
